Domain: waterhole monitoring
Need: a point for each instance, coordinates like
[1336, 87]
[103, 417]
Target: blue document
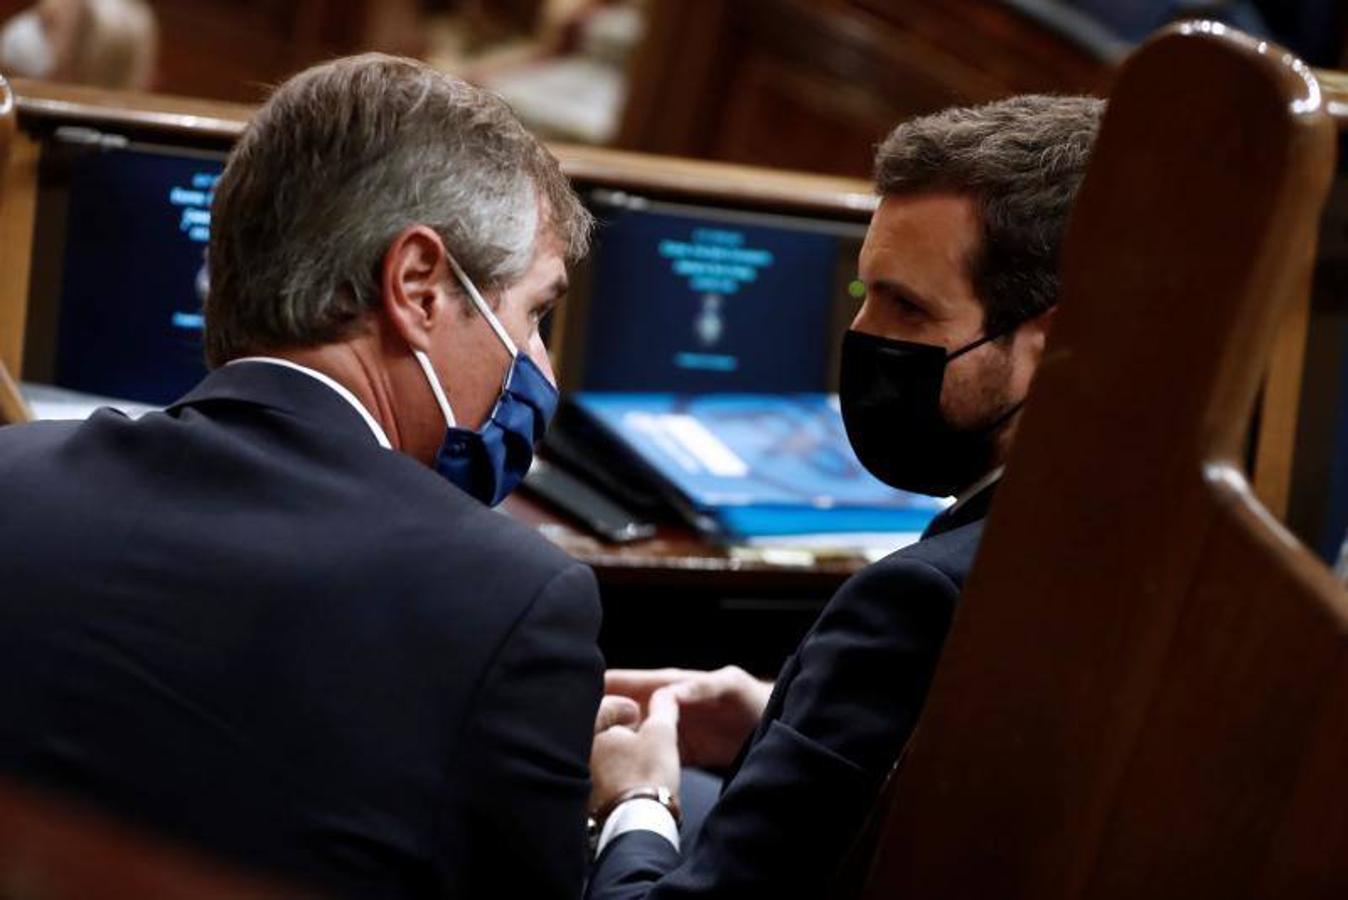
[756, 465]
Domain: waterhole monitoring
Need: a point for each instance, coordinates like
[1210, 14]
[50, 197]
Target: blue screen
[693, 304]
[134, 275]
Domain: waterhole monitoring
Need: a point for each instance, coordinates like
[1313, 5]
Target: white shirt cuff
[641, 814]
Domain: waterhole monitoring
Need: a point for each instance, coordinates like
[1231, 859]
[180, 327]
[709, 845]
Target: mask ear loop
[424, 361]
[987, 338]
[481, 304]
[434, 381]
[967, 348]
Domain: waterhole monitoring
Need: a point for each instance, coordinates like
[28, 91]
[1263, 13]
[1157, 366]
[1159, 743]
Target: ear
[412, 284]
[1033, 334]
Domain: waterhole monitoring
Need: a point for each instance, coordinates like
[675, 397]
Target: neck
[1002, 441]
[364, 366]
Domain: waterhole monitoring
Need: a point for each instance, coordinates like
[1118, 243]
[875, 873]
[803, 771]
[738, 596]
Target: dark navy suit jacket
[840, 713]
[245, 624]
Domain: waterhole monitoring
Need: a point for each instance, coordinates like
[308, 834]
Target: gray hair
[342, 158]
[1022, 160]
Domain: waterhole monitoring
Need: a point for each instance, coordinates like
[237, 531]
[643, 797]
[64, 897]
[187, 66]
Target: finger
[663, 710]
[639, 683]
[695, 690]
[614, 739]
[614, 710]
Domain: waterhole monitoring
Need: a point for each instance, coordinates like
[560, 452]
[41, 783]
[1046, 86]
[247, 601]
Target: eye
[900, 302]
[908, 307]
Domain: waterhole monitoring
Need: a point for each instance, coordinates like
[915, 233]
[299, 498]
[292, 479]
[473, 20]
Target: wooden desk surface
[678, 558]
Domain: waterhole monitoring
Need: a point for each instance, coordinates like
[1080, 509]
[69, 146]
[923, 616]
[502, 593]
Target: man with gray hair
[280, 620]
[960, 265]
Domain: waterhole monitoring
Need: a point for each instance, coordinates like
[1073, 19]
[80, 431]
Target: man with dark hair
[960, 265]
[279, 620]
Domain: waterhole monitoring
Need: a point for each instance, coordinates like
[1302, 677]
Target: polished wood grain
[236, 49]
[1145, 691]
[1274, 464]
[12, 406]
[1295, 429]
[45, 106]
[18, 208]
[44, 103]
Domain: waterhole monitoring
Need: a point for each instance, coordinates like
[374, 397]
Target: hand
[717, 710]
[624, 758]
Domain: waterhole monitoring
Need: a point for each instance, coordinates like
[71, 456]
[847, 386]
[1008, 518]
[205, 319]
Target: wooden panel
[995, 38]
[18, 201]
[44, 106]
[773, 82]
[235, 49]
[825, 126]
[1297, 471]
[1276, 442]
[1143, 691]
[18, 187]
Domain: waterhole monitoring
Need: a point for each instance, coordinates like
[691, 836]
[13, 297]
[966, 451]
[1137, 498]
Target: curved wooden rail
[13, 408]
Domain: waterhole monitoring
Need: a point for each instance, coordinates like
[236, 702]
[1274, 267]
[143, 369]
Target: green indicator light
[857, 288]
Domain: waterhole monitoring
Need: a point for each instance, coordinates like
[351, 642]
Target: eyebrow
[906, 291]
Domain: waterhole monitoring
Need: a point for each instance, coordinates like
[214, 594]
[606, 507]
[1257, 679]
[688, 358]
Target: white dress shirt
[641, 814]
[974, 489]
[341, 390]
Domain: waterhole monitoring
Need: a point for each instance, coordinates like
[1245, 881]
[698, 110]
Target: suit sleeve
[789, 815]
[530, 747]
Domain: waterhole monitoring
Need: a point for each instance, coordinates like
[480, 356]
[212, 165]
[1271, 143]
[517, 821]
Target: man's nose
[864, 320]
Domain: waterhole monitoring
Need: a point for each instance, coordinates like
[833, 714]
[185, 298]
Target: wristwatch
[657, 792]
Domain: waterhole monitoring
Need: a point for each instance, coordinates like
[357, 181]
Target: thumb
[615, 710]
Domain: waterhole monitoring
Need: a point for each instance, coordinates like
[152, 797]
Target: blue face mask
[490, 462]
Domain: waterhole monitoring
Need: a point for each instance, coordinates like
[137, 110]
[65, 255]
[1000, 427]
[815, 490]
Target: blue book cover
[758, 465]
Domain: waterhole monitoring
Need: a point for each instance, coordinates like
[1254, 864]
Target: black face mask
[891, 406]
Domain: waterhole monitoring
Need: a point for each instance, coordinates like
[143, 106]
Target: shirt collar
[341, 389]
[974, 489]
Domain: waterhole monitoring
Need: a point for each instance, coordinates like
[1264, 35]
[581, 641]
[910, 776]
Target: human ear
[412, 283]
[1033, 335]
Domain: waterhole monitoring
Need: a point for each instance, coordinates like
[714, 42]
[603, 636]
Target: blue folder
[743, 466]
